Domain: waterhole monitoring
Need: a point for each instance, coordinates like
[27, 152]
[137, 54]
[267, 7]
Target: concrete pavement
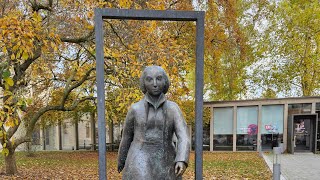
[298, 166]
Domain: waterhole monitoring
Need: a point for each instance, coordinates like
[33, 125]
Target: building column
[55, 132]
[259, 147]
[285, 126]
[211, 128]
[93, 131]
[313, 108]
[60, 135]
[234, 129]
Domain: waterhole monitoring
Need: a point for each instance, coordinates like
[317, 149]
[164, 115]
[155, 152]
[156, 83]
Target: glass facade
[271, 126]
[222, 129]
[271, 130]
[299, 109]
[247, 128]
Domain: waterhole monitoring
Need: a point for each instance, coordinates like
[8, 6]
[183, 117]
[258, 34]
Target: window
[222, 128]
[36, 136]
[299, 109]
[47, 136]
[247, 129]
[271, 126]
[65, 128]
[317, 106]
[87, 130]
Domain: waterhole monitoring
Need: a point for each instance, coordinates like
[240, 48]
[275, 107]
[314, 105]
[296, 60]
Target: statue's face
[154, 81]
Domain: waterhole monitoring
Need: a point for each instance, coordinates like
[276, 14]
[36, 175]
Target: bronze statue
[146, 150]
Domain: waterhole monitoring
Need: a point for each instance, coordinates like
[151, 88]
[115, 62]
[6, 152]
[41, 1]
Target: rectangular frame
[291, 132]
[198, 17]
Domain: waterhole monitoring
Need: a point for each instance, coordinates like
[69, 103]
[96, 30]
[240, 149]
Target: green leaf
[6, 74]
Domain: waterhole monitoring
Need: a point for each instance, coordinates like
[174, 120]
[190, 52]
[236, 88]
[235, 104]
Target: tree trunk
[10, 161]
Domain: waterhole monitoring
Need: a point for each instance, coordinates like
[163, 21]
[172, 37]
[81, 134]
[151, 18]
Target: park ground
[84, 165]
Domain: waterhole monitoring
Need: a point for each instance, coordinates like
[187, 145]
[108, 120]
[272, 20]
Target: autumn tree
[228, 53]
[43, 62]
[48, 58]
[289, 48]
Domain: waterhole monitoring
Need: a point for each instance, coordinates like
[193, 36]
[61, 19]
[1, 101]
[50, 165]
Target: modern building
[261, 124]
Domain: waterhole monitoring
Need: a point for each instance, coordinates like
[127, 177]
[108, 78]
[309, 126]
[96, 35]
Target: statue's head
[154, 80]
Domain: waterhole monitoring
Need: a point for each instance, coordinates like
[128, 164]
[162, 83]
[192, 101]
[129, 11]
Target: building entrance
[303, 133]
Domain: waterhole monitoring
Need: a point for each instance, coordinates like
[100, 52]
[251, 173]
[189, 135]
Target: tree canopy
[289, 48]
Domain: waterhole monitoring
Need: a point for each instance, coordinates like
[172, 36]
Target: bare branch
[24, 66]
[70, 88]
[12, 130]
[115, 32]
[171, 5]
[37, 6]
[77, 40]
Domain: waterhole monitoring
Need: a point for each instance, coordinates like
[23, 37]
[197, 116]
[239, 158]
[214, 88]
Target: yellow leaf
[90, 27]
[4, 50]
[5, 151]
[12, 57]
[25, 56]
[52, 44]
[90, 14]
[4, 145]
[9, 81]
[15, 47]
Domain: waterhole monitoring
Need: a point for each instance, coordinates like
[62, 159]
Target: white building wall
[84, 131]
[68, 135]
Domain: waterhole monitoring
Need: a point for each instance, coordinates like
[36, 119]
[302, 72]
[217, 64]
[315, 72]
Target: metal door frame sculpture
[163, 15]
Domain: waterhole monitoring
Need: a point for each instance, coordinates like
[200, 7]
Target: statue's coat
[146, 147]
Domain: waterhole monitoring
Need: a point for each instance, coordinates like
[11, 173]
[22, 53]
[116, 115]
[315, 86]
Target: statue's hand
[120, 167]
[180, 168]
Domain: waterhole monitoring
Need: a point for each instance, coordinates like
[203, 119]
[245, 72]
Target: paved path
[298, 166]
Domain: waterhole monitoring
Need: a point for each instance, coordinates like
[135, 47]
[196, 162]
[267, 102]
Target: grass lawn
[84, 165]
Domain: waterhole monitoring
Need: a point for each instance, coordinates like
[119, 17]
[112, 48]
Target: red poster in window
[252, 129]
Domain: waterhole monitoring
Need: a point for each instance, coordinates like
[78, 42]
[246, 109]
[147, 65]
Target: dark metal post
[100, 93]
[44, 137]
[276, 163]
[60, 135]
[199, 95]
[76, 131]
